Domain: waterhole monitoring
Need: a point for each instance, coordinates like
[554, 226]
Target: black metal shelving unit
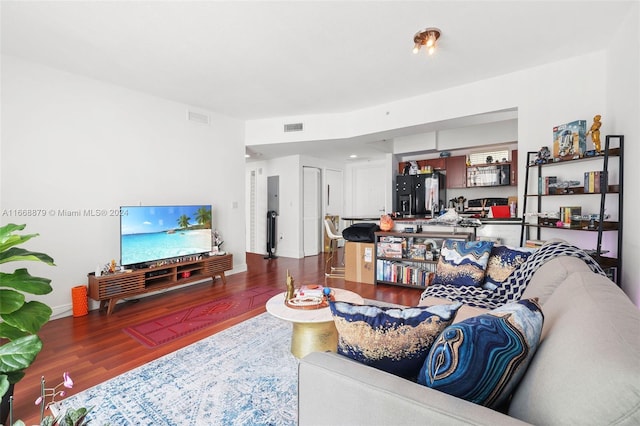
[608, 263]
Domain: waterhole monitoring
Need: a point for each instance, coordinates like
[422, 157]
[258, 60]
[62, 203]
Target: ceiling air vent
[293, 127]
[197, 117]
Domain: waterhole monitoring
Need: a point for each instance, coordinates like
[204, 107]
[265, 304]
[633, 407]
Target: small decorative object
[290, 288]
[489, 159]
[543, 155]
[414, 168]
[559, 224]
[594, 131]
[445, 154]
[310, 296]
[217, 240]
[386, 223]
[327, 293]
[570, 139]
[112, 266]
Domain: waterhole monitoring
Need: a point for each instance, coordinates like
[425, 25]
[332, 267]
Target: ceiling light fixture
[427, 37]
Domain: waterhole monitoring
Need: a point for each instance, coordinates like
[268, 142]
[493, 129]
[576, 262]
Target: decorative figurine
[595, 132]
[112, 266]
[543, 155]
[217, 239]
[327, 293]
[290, 289]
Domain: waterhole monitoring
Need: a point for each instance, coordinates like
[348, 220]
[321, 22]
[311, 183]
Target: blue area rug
[245, 375]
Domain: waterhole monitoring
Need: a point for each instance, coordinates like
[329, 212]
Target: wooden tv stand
[108, 289]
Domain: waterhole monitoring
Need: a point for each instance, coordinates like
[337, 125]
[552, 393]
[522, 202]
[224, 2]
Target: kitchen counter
[500, 230]
[423, 219]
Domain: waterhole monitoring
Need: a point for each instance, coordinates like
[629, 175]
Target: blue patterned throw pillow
[462, 263]
[396, 340]
[503, 260]
[483, 358]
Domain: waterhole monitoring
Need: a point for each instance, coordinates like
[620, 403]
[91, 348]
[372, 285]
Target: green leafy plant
[20, 319]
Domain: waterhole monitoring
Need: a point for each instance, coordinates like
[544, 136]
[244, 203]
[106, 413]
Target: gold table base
[313, 337]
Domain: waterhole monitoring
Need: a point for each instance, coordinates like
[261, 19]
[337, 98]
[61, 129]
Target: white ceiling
[268, 59]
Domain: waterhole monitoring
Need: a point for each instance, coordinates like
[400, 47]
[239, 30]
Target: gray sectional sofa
[586, 370]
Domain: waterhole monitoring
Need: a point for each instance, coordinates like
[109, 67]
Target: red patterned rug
[178, 324]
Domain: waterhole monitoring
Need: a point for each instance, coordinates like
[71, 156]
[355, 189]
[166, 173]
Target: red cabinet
[456, 172]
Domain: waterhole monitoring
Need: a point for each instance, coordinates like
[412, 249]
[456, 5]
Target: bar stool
[331, 270]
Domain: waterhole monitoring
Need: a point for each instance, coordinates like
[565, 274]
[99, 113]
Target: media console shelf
[108, 289]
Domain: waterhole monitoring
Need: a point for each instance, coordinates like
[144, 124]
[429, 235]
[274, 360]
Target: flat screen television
[153, 233]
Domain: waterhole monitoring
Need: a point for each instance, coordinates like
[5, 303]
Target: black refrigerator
[421, 194]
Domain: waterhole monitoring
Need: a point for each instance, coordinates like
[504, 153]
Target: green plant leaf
[30, 317]
[20, 321]
[10, 332]
[21, 280]
[15, 254]
[4, 384]
[19, 354]
[15, 376]
[7, 230]
[11, 300]
[75, 417]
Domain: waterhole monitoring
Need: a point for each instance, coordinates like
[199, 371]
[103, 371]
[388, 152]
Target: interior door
[311, 211]
[370, 186]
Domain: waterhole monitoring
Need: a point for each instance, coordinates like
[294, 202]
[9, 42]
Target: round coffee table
[313, 329]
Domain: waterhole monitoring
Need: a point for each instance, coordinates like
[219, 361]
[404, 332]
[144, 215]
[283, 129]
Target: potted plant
[20, 319]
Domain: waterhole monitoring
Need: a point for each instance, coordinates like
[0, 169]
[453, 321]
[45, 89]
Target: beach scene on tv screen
[162, 232]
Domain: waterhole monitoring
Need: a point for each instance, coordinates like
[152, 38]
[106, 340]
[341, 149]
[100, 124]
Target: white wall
[623, 104]
[69, 142]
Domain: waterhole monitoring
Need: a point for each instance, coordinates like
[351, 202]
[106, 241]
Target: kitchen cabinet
[456, 172]
[435, 163]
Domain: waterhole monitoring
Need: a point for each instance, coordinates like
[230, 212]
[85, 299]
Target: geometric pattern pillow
[396, 340]
[483, 358]
[502, 262]
[462, 263]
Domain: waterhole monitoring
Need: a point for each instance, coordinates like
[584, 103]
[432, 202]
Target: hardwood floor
[93, 348]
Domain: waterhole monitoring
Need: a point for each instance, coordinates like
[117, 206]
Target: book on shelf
[404, 273]
[417, 251]
[534, 243]
[571, 216]
[390, 250]
[544, 182]
[595, 181]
